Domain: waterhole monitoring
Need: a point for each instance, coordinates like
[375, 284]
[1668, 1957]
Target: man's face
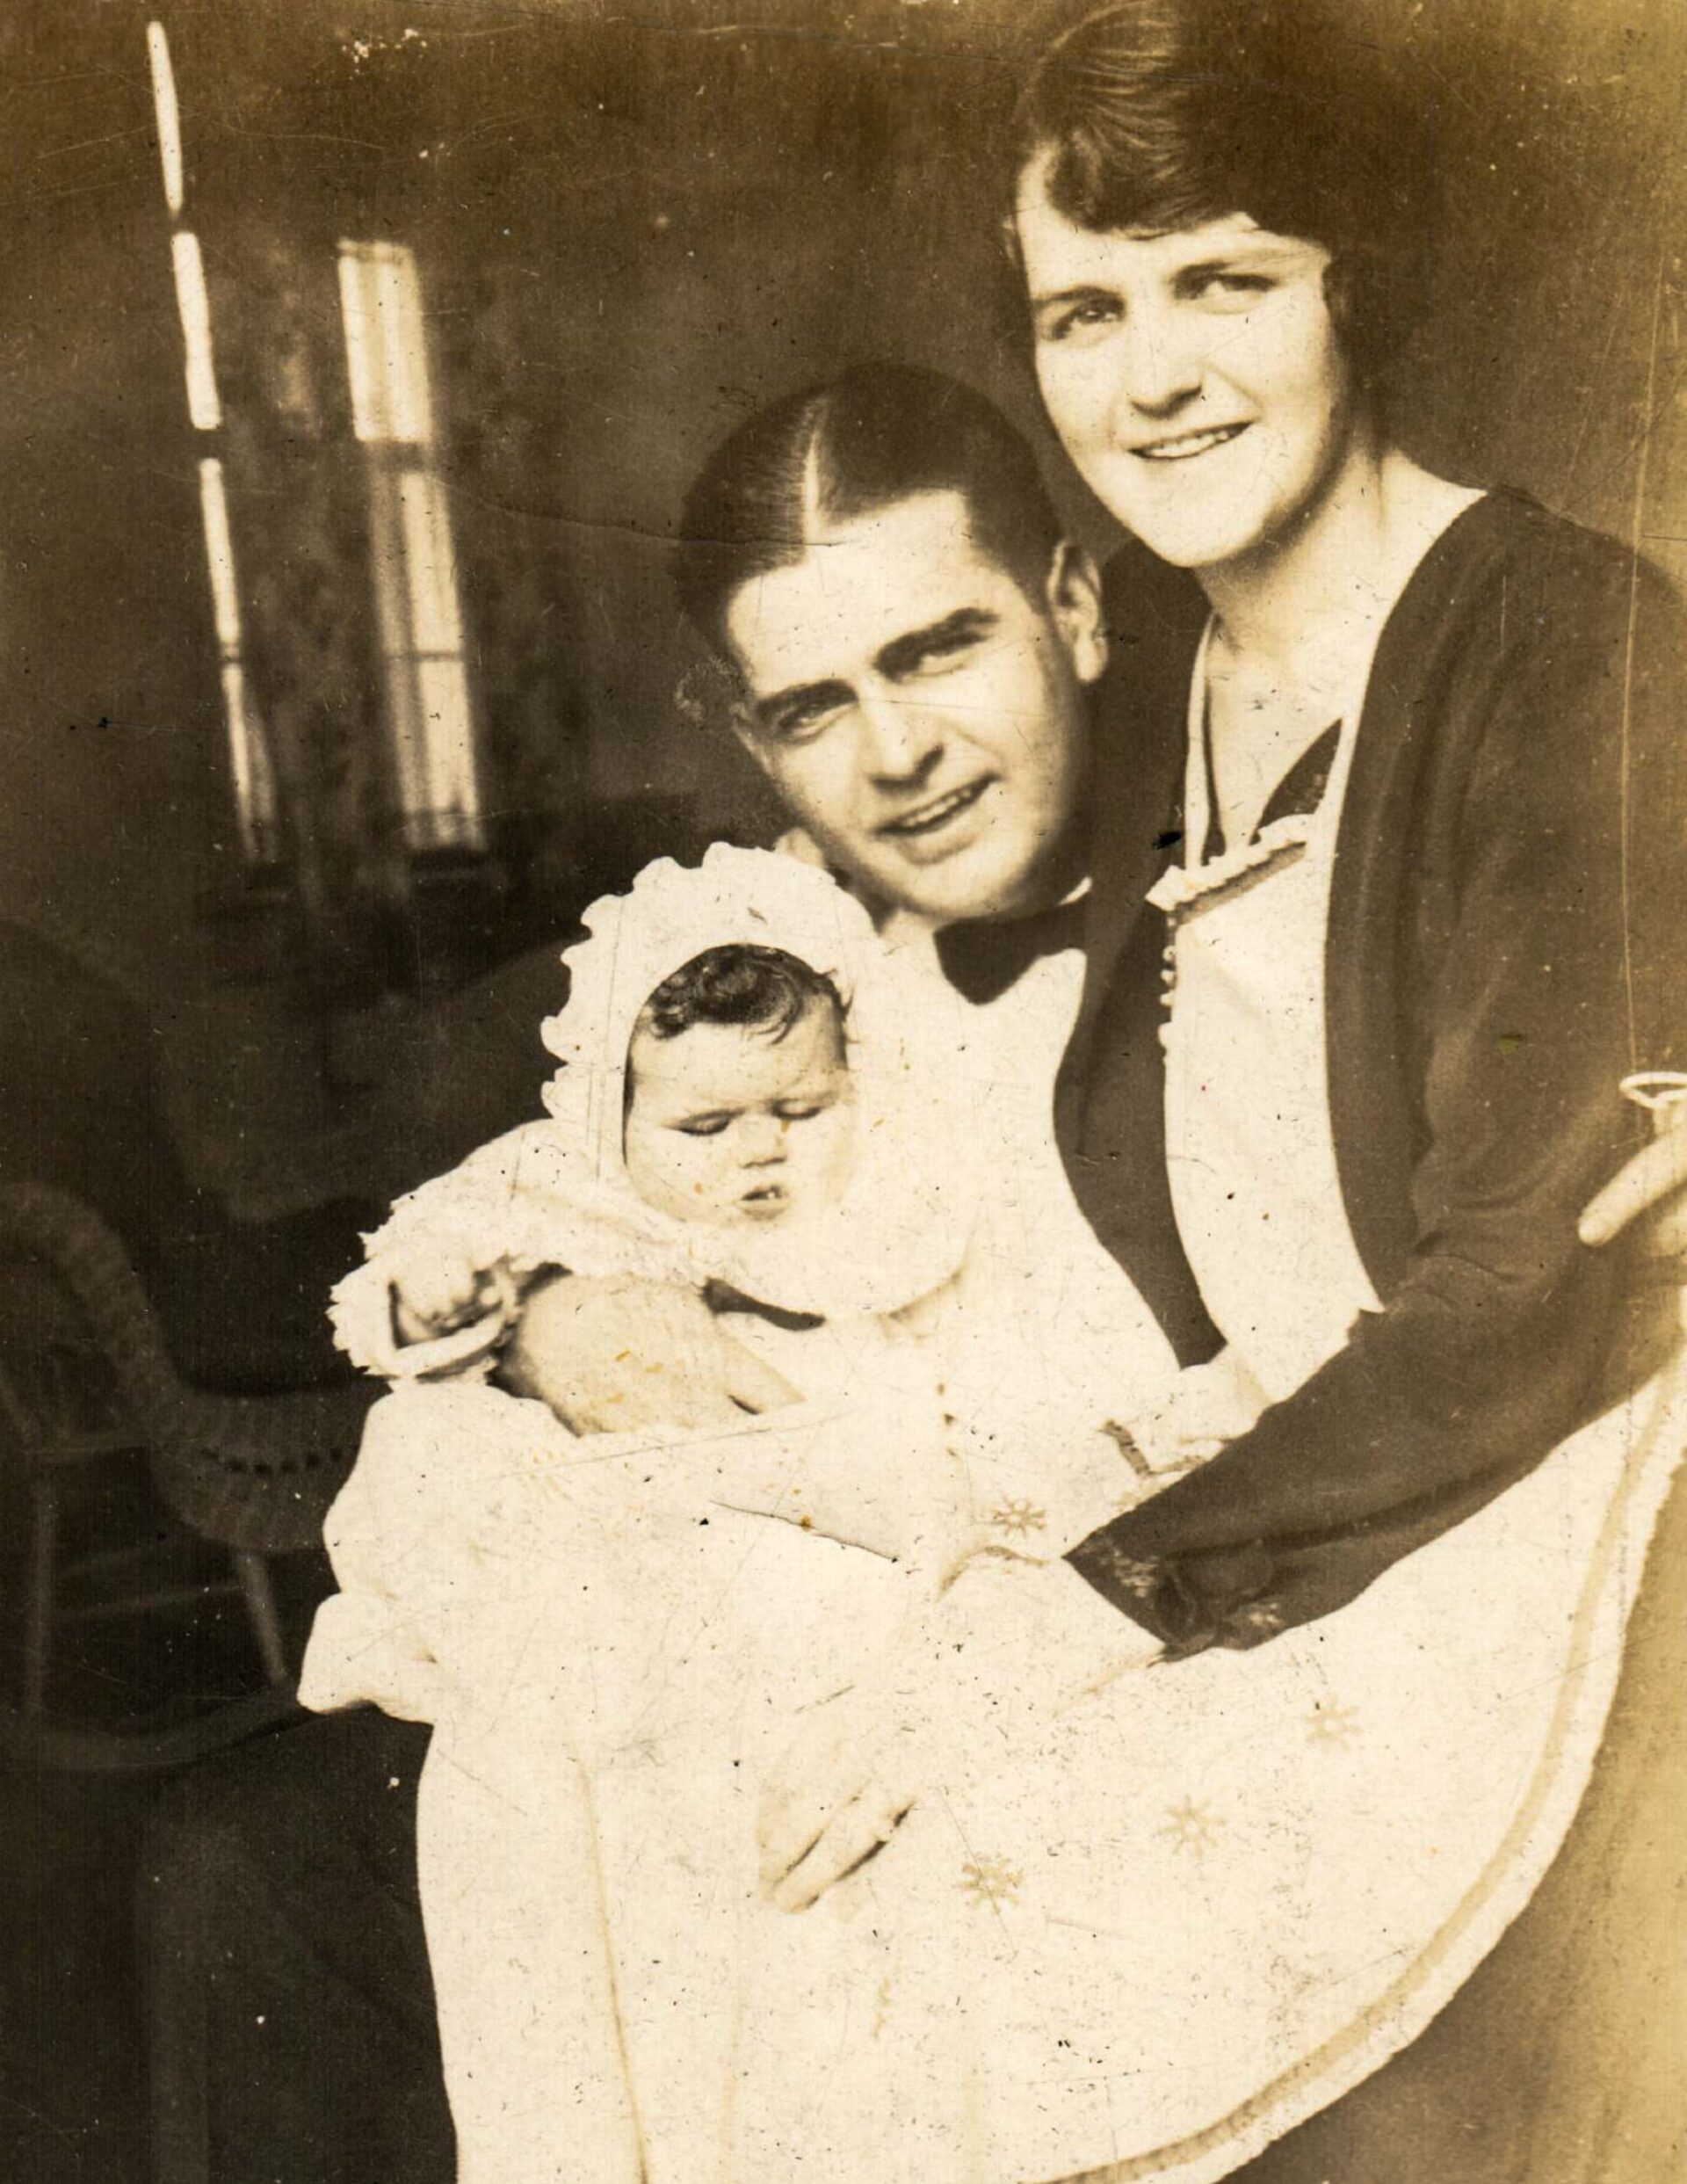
[920, 715]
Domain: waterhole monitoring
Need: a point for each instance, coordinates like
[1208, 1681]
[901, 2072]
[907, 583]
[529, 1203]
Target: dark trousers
[292, 2011]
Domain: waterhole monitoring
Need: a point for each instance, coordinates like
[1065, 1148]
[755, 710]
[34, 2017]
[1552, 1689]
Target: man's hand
[1000, 1656]
[854, 1769]
[616, 1354]
[967, 1664]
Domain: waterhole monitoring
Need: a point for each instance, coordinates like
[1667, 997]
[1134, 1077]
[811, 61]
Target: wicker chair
[85, 1378]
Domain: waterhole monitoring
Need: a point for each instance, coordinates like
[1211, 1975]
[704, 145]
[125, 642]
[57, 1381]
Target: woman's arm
[1555, 976]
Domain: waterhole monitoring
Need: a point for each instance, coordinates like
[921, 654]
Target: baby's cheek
[835, 1152]
[715, 1178]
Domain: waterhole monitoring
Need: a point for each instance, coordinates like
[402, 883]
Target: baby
[608, 1632]
[760, 1122]
[739, 1118]
[738, 1112]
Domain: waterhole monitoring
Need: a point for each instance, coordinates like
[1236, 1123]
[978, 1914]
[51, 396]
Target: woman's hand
[615, 1356]
[1652, 1186]
[1208, 1405]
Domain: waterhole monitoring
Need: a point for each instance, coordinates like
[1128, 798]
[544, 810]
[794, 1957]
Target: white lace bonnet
[901, 1224]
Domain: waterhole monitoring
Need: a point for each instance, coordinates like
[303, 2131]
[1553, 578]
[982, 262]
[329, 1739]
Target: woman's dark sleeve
[1557, 970]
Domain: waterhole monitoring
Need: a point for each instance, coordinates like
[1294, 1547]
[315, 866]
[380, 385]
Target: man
[919, 692]
[949, 657]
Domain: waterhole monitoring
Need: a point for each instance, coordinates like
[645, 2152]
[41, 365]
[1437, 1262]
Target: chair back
[83, 1371]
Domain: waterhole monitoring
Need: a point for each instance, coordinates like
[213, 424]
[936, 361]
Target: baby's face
[730, 1127]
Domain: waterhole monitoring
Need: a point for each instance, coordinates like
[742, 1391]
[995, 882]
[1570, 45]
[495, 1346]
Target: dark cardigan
[1508, 922]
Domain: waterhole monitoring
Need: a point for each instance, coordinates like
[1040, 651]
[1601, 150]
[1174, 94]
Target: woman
[1411, 760]
[1429, 660]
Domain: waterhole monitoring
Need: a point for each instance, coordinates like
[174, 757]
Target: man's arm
[615, 1355]
[608, 1353]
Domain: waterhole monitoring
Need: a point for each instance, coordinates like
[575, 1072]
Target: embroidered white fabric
[556, 1192]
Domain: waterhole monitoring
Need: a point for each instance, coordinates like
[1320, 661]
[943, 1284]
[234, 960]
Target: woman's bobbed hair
[1161, 114]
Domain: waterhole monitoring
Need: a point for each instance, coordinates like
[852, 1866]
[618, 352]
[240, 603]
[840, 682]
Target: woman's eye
[1081, 318]
[710, 1126]
[1243, 286]
[800, 1110]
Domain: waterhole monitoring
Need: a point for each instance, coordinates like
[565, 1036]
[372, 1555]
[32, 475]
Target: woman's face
[1196, 377]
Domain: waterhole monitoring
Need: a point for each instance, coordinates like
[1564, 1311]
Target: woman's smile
[1157, 352]
[1180, 448]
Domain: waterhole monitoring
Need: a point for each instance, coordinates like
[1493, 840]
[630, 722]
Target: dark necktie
[982, 957]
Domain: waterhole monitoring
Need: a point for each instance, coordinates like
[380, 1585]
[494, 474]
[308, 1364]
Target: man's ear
[1074, 595]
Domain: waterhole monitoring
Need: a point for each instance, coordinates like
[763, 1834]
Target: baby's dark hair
[763, 990]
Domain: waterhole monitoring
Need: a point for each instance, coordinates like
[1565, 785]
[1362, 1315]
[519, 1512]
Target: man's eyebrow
[908, 650]
[801, 698]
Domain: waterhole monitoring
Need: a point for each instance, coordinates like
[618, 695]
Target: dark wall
[631, 232]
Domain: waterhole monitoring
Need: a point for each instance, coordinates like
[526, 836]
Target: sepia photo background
[627, 231]
[481, 286]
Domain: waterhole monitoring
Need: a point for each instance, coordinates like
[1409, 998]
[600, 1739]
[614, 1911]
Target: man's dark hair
[761, 989]
[1163, 114]
[847, 447]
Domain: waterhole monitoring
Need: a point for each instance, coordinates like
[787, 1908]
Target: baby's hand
[436, 1294]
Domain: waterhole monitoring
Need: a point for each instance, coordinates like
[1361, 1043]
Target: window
[256, 808]
[248, 750]
[420, 621]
